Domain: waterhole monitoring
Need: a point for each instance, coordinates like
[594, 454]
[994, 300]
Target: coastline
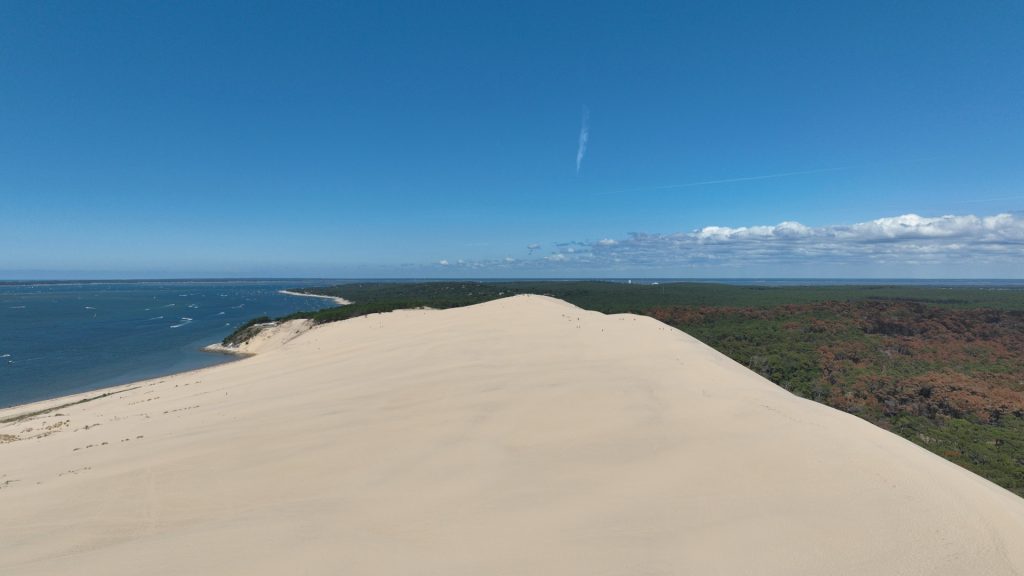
[591, 442]
[17, 412]
[75, 337]
[216, 348]
[272, 335]
[338, 300]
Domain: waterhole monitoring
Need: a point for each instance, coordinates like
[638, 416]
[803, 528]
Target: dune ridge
[523, 435]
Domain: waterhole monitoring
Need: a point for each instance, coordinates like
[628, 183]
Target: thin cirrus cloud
[581, 148]
[898, 242]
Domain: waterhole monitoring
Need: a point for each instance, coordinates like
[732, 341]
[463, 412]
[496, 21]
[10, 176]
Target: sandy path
[521, 436]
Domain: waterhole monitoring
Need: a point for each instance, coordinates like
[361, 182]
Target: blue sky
[443, 139]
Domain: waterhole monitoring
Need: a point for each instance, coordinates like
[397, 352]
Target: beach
[335, 299]
[519, 436]
[64, 338]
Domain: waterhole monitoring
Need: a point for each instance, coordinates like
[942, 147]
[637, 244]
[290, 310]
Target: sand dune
[521, 436]
[272, 336]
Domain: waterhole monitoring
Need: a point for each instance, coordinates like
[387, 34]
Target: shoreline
[102, 392]
[216, 348]
[338, 300]
[524, 419]
[233, 356]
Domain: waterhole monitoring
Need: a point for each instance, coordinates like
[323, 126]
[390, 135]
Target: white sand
[273, 336]
[522, 436]
[336, 299]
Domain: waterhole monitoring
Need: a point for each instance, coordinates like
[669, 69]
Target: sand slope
[521, 436]
[272, 336]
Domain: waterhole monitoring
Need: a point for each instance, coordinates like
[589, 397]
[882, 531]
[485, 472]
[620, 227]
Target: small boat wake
[184, 321]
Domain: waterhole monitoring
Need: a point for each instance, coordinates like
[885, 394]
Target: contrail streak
[728, 180]
[584, 136]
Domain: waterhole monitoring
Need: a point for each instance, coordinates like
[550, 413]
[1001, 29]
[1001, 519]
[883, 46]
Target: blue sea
[64, 338]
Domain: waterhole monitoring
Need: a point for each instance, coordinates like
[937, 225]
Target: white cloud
[443, 262]
[893, 243]
[1000, 226]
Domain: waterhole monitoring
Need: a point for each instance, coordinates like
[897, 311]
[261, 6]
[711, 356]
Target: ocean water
[64, 338]
[58, 339]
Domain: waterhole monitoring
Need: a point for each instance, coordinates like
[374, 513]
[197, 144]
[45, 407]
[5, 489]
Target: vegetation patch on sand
[246, 331]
